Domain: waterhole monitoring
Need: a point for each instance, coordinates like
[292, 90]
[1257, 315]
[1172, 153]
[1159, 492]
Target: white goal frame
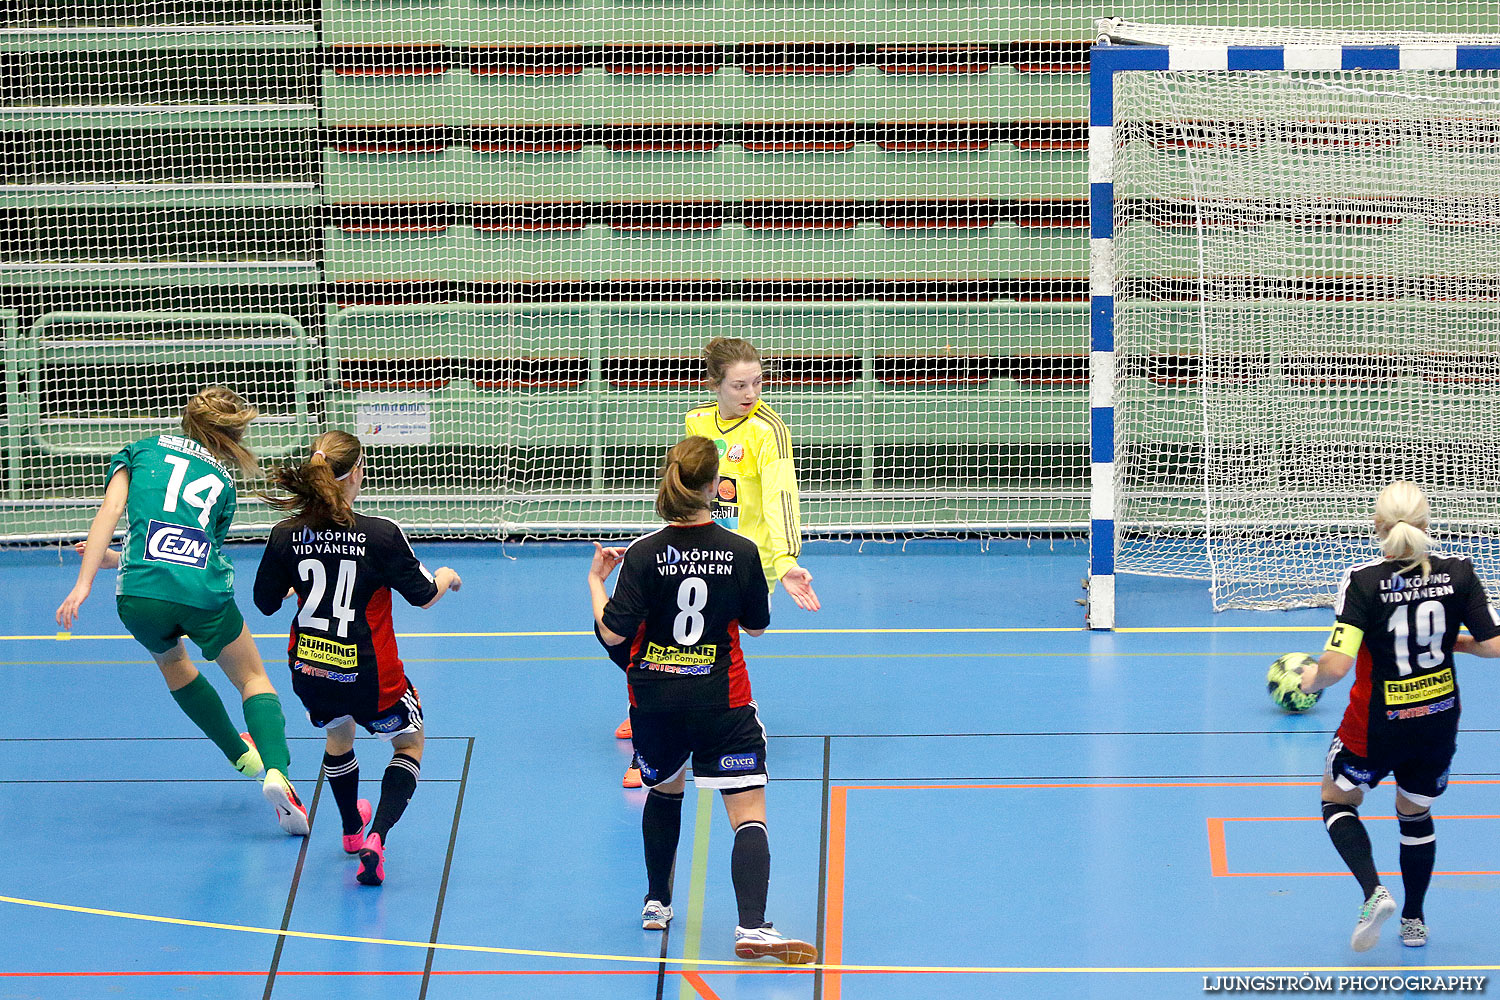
[1107, 60]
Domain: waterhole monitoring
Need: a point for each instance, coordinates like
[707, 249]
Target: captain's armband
[1345, 639]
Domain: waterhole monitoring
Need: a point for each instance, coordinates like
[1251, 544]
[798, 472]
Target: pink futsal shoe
[371, 861]
[354, 841]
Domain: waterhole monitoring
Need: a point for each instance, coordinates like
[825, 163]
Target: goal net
[492, 239]
[1307, 306]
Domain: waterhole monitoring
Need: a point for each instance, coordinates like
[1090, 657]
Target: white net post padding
[1307, 307]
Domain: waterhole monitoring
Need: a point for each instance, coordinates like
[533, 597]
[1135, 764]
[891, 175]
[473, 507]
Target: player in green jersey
[179, 496]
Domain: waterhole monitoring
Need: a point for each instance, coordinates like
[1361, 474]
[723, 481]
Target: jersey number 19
[1432, 624]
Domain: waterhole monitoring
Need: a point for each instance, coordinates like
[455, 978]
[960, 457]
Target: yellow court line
[1195, 629]
[924, 655]
[656, 960]
[1025, 629]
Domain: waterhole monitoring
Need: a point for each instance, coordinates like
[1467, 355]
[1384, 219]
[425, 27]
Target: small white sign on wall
[393, 418]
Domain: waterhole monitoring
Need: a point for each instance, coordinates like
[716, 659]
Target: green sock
[200, 702]
[268, 729]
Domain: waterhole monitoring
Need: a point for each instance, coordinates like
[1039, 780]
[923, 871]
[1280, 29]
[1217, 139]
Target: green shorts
[158, 625]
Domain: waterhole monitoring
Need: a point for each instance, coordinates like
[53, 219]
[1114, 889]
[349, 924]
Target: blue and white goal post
[1200, 53]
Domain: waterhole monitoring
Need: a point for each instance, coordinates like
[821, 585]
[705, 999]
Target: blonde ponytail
[1402, 520]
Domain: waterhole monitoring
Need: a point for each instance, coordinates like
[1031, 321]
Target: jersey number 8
[692, 598]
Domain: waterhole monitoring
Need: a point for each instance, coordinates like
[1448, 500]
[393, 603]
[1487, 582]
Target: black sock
[396, 789]
[750, 867]
[1353, 843]
[342, 772]
[661, 825]
[1418, 852]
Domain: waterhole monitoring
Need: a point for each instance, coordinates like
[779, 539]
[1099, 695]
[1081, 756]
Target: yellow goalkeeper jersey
[757, 482]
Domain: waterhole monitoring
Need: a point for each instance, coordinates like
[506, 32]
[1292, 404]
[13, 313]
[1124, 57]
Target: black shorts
[727, 746]
[403, 717]
[1421, 770]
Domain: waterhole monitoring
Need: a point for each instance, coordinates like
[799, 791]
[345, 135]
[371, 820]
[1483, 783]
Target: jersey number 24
[313, 572]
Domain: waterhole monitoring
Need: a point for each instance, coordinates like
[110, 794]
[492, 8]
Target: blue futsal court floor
[970, 797]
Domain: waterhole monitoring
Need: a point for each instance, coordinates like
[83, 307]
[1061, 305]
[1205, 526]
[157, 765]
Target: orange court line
[838, 813]
[833, 914]
[1133, 784]
[1218, 854]
[1099, 784]
[698, 984]
[1342, 874]
[1310, 819]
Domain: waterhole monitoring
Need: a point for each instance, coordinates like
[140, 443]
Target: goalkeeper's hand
[798, 583]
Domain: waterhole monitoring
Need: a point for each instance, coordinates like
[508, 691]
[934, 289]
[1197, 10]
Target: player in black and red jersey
[343, 566]
[1397, 624]
[684, 594]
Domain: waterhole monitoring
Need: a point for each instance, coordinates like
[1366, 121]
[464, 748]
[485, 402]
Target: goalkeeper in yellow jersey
[757, 495]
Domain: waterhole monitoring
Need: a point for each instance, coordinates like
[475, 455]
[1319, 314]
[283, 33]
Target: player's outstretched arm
[1466, 643]
[110, 560]
[446, 580]
[1331, 668]
[100, 534]
[602, 565]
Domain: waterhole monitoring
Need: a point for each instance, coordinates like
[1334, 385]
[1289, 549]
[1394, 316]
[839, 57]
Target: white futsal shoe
[655, 916]
[1376, 911]
[768, 942]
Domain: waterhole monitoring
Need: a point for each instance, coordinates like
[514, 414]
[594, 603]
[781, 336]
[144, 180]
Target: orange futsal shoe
[622, 731]
[632, 777]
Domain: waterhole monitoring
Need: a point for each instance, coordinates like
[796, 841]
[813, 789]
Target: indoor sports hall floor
[970, 794]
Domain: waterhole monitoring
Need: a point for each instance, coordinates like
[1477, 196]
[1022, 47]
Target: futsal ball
[1282, 681]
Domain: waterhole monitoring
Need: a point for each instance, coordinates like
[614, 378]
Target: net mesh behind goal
[491, 237]
[1307, 296]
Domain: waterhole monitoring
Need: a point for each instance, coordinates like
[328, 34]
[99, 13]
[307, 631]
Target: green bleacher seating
[864, 171]
[728, 252]
[453, 95]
